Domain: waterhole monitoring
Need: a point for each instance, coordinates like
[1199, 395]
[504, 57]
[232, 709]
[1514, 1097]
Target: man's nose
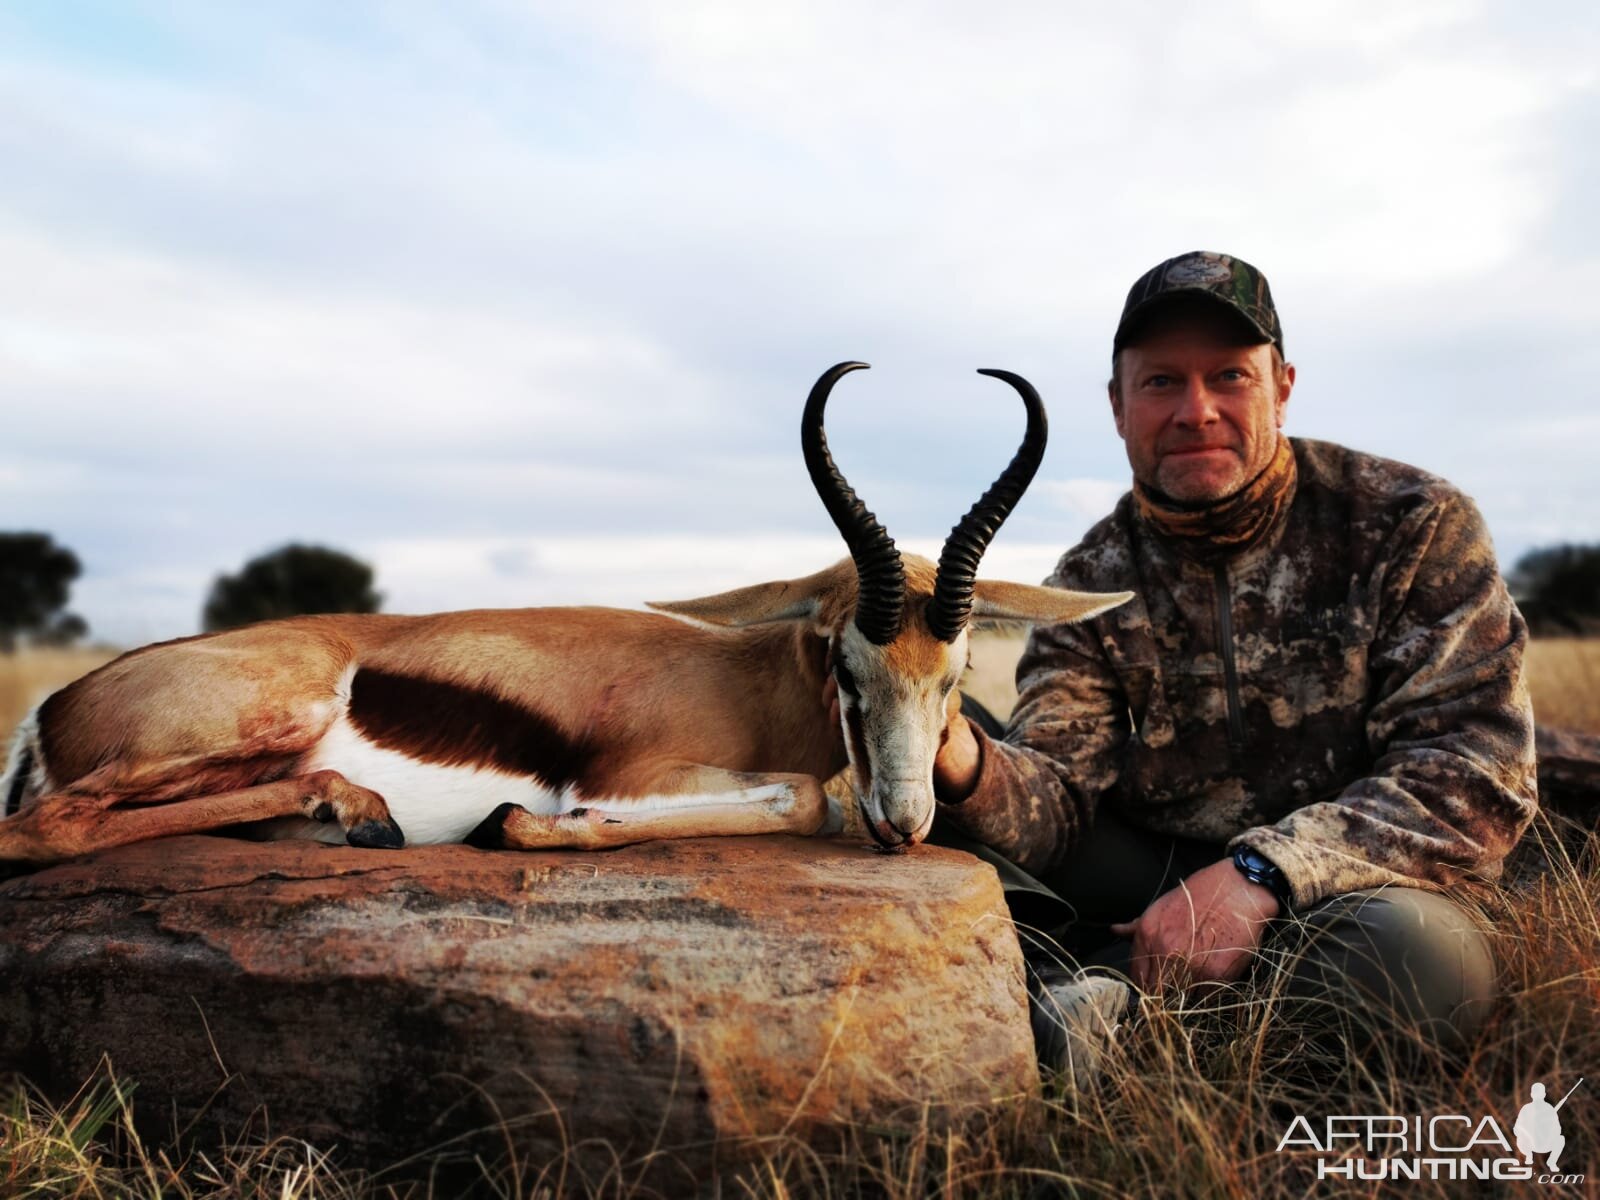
[1196, 406]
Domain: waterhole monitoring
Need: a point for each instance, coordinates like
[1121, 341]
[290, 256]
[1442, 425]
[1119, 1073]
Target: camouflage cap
[1226, 279]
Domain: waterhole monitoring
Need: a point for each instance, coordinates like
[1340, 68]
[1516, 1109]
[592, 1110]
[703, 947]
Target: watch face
[1258, 869]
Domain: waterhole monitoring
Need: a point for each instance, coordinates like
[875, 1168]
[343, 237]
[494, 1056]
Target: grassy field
[1564, 677]
[1199, 1104]
[28, 676]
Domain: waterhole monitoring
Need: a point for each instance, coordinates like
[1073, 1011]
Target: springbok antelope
[545, 727]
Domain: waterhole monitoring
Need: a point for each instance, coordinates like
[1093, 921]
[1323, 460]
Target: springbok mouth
[888, 838]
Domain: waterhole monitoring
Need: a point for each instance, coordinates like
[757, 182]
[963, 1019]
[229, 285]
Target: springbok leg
[689, 801]
[66, 824]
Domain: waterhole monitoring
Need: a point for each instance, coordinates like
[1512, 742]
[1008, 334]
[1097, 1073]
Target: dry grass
[28, 676]
[991, 679]
[1564, 677]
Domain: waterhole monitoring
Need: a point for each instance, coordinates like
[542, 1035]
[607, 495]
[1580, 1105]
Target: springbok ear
[781, 600]
[995, 601]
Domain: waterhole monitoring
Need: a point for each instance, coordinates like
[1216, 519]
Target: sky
[520, 302]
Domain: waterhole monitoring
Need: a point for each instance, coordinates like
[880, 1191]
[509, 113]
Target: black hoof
[376, 835]
[490, 832]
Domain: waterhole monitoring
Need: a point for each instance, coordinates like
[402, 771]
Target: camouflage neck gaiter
[1207, 533]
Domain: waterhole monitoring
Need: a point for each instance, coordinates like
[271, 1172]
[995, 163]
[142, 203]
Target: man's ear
[1113, 391]
[758, 604]
[1284, 389]
[995, 601]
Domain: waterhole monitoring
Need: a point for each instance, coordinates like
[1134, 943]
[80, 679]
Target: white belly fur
[431, 803]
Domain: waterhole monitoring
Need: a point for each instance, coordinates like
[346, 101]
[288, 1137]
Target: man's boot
[1075, 1018]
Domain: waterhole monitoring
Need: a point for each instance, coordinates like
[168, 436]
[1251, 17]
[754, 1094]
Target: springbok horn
[881, 578]
[951, 605]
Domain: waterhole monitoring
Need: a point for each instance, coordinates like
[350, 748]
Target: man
[1308, 725]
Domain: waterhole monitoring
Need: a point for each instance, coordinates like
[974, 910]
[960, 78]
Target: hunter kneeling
[1307, 728]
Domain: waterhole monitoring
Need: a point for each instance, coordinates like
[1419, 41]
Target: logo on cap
[1200, 268]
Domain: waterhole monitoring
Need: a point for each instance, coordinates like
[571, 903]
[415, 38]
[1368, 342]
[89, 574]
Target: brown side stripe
[454, 725]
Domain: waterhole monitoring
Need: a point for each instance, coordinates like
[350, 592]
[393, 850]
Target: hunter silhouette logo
[1538, 1126]
[1455, 1146]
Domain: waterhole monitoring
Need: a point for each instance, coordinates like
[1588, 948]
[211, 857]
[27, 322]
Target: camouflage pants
[1369, 963]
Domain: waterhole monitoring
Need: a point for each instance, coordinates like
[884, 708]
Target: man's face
[1199, 411]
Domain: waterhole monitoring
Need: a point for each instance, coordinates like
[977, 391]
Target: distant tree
[1558, 589]
[65, 629]
[291, 581]
[35, 580]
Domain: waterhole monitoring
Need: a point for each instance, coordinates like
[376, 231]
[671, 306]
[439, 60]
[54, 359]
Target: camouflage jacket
[1346, 696]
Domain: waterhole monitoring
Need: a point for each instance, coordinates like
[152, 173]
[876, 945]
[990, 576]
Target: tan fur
[827, 599]
[218, 719]
[917, 653]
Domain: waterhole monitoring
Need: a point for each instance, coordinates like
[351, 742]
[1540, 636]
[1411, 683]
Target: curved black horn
[951, 606]
[881, 578]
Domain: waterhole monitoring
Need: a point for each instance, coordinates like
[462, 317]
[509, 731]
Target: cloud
[421, 575]
[363, 275]
[1089, 499]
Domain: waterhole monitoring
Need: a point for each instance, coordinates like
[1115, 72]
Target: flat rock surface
[677, 994]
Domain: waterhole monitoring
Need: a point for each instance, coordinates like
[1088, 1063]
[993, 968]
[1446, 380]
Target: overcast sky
[520, 302]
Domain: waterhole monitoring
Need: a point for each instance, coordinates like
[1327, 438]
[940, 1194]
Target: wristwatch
[1258, 868]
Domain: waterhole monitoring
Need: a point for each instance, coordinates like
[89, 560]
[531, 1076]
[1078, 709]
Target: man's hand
[955, 767]
[1202, 930]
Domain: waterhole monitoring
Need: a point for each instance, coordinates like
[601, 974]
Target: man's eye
[847, 681]
[1158, 381]
[1232, 375]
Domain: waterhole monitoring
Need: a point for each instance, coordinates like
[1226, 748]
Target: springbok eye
[847, 681]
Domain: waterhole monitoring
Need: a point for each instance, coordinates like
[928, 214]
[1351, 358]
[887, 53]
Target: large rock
[674, 994]
[1569, 770]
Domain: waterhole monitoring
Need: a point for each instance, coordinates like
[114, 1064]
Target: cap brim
[1142, 313]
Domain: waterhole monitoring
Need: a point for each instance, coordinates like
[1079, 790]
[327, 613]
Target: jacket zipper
[1230, 668]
